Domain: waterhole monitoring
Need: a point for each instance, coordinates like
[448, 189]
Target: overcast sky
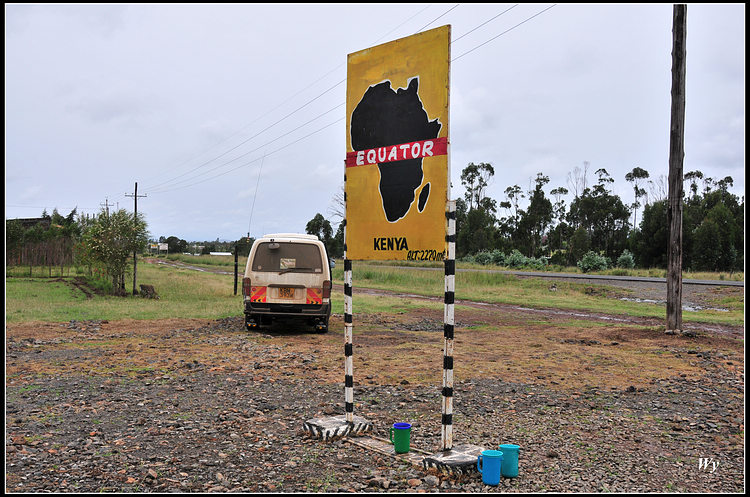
[231, 117]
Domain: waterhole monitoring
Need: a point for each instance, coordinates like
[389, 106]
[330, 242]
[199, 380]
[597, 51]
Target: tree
[476, 178]
[634, 176]
[514, 196]
[243, 245]
[475, 213]
[111, 240]
[693, 177]
[13, 236]
[337, 208]
[537, 218]
[707, 251]
[577, 179]
[477, 233]
[603, 215]
[721, 216]
[649, 243]
[320, 227]
[579, 245]
[336, 249]
[176, 245]
[559, 213]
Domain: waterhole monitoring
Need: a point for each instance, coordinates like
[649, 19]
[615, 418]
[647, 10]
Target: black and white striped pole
[448, 328]
[459, 459]
[348, 325]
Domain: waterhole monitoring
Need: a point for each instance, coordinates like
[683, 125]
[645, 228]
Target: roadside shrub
[626, 260]
[467, 258]
[540, 263]
[592, 261]
[497, 257]
[484, 258]
[516, 259]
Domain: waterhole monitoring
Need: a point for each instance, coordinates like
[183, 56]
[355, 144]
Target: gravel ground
[216, 426]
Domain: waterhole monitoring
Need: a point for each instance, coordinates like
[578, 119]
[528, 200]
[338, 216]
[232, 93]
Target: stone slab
[385, 447]
[335, 427]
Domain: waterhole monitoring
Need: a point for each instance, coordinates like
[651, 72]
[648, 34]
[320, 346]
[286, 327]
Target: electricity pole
[676, 155]
[107, 205]
[135, 217]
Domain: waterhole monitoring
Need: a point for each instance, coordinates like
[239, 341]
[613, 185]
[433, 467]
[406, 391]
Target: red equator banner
[402, 151]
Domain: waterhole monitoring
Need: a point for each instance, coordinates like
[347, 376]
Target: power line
[170, 181]
[438, 17]
[253, 150]
[256, 134]
[166, 184]
[256, 160]
[255, 195]
[287, 100]
[409, 19]
[485, 22]
[507, 30]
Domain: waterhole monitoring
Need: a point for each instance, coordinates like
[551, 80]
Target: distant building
[220, 253]
[30, 222]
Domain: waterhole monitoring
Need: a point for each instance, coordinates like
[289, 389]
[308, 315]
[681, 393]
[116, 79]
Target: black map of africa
[386, 117]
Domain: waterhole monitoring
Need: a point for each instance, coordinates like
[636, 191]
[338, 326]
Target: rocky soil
[204, 406]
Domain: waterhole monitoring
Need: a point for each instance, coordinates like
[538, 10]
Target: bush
[484, 258]
[539, 263]
[626, 260]
[592, 262]
[497, 257]
[516, 259]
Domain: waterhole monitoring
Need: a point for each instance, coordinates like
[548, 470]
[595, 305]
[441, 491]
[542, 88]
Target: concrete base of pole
[460, 460]
[335, 427]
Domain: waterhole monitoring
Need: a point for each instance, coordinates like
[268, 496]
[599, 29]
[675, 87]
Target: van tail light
[245, 287]
[327, 289]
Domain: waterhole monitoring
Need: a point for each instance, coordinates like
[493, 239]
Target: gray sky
[191, 100]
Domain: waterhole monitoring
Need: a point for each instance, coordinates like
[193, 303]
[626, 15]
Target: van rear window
[287, 257]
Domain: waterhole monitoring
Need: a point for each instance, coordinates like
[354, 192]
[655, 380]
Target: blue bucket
[510, 460]
[489, 464]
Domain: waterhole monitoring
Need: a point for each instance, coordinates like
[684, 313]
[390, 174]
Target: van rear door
[287, 270]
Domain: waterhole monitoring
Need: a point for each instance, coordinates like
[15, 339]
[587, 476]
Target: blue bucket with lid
[510, 460]
[489, 464]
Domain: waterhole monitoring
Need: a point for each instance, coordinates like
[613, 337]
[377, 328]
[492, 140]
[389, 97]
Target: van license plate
[286, 292]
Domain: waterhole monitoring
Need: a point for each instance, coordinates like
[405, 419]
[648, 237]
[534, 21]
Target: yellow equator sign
[397, 148]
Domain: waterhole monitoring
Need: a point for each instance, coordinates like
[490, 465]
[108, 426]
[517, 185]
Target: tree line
[596, 229]
[598, 221]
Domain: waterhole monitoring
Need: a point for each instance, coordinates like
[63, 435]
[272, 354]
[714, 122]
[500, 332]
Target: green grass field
[182, 294]
[530, 292]
[187, 293]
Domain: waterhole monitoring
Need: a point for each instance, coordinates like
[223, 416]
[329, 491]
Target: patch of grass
[501, 288]
[182, 294]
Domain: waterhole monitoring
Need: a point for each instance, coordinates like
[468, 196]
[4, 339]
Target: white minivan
[287, 275]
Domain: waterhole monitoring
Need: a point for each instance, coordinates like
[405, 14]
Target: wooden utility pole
[236, 257]
[135, 217]
[107, 205]
[676, 155]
